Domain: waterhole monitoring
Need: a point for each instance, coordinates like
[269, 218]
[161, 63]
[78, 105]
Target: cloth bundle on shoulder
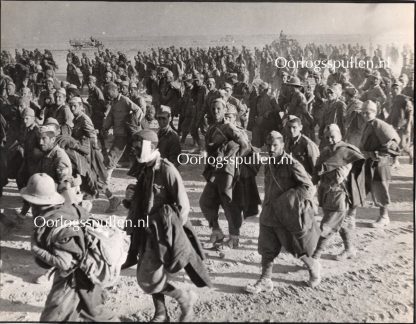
[106, 250]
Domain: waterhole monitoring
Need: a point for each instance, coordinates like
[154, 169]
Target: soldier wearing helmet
[58, 245]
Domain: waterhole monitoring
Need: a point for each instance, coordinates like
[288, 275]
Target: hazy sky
[45, 21]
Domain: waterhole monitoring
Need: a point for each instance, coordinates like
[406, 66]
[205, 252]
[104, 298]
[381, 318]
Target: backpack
[106, 250]
[105, 254]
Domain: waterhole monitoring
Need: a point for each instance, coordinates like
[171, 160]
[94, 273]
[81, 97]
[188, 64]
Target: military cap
[49, 79]
[351, 91]
[50, 125]
[370, 105]
[294, 81]
[227, 85]
[111, 86]
[163, 110]
[51, 121]
[74, 92]
[48, 129]
[264, 85]
[28, 112]
[274, 135]
[211, 79]
[125, 83]
[64, 84]
[293, 118]
[376, 75]
[367, 71]
[71, 86]
[133, 85]
[233, 77]
[220, 101]
[231, 109]
[75, 99]
[146, 135]
[61, 91]
[92, 78]
[332, 128]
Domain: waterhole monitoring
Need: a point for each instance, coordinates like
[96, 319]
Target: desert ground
[377, 286]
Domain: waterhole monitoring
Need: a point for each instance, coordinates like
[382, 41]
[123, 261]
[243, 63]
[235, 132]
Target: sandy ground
[377, 286]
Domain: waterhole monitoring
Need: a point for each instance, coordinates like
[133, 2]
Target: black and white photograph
[207, 162]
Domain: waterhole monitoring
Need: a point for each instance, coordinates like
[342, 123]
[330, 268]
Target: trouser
[67, 302]
[116, 150]
[380, 193]
[269, 247]
[269, 244]
[405, 140]
[210, 201]
[151, 274]
[331, 222]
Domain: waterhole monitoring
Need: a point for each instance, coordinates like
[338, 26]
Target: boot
[349, 252]
[217, 236]
[161, 314]
[131, 260]
[114, 203]
[232, 242]
[186, 300]
[322, 244]
[314, 268]
[261, 285]
[383, 220]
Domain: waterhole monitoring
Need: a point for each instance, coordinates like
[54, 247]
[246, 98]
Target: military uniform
[298, 106]
[375, 94]
[401, 116]
[63, 115]
[218, 189]
[288, 193]
[32, 155]
[376, 137]
[303, 150]
[354, 122]
[120, 110]
[242, 117]
[265, 117]
[333, 113]
[56, 164]
[209, 98]
[169, 146]
[72, 295]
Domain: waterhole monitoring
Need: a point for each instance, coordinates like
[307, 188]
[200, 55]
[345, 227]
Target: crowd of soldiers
[335, 135]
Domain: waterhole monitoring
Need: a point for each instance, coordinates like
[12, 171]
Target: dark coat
[178, 246]
[341, 155]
